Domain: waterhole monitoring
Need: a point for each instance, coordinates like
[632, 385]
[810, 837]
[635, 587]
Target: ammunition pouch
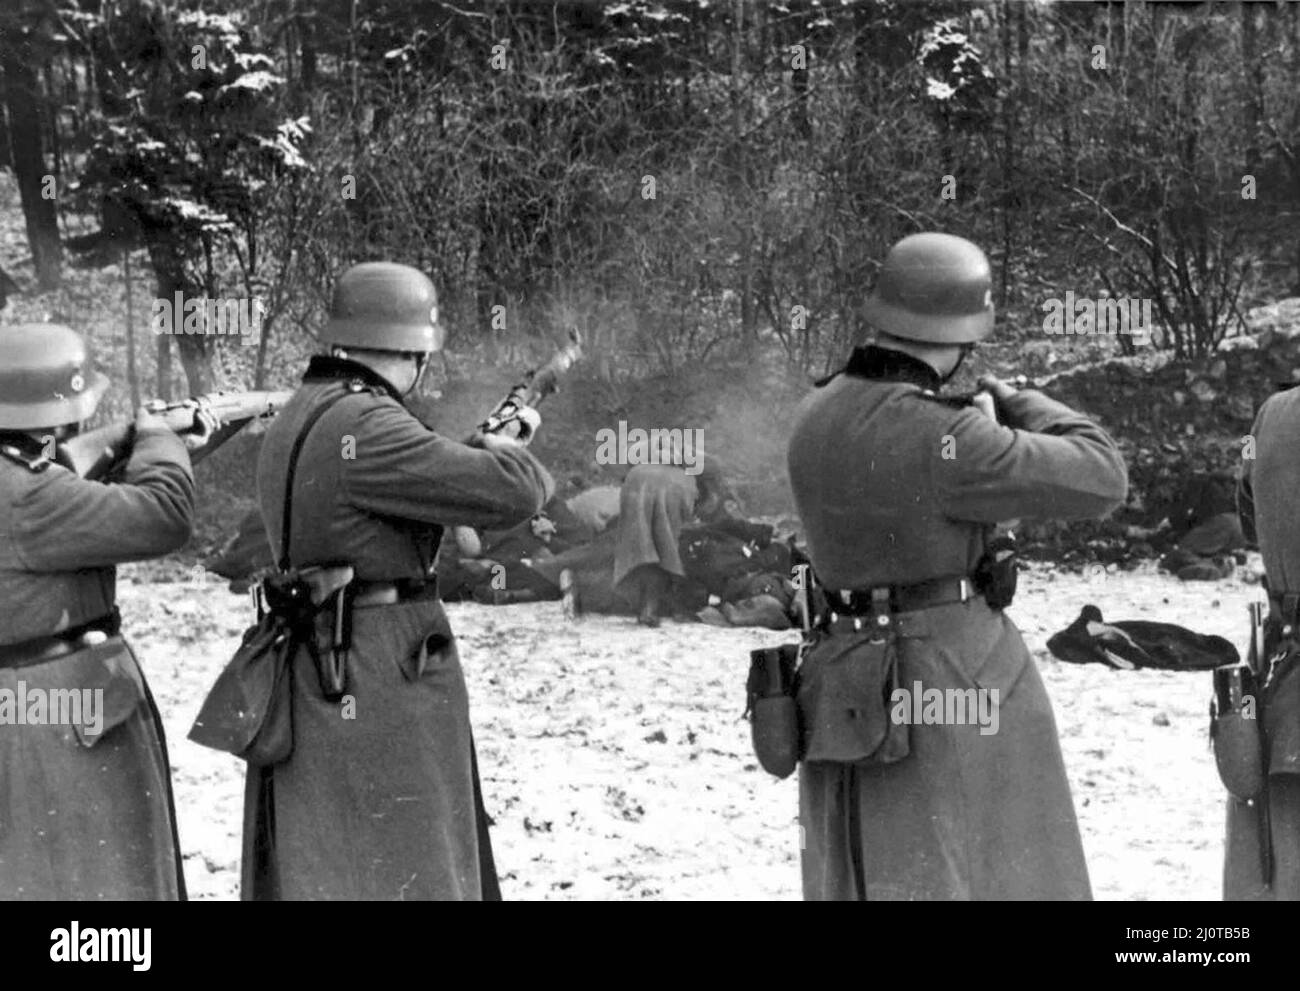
[770, 706]
[996, 572]
[844, 691]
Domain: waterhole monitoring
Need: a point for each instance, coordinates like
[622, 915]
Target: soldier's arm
[70, 523]
[403, 469]
[1044, 462]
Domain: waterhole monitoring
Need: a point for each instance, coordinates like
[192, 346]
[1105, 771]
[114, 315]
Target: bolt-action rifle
[99, 453]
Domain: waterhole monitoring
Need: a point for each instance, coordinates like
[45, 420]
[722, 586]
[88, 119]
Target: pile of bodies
[665, 543]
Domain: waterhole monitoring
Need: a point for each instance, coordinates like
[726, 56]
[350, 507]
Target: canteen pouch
[1236, 733]
[770, 706]
[844, 689]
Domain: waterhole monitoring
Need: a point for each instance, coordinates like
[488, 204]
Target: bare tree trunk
[1068, 169]
[307, 55]
[163, 368]
[263, 343]
[1292, 15]
[132, 372]
[22, 94]
[1254, 68]
[748, 315]
[196, 360]
[6, 149]
[799, 83]
[1009, 186]
[194, 349]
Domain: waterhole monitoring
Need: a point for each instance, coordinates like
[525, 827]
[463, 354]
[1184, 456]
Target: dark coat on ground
[896, 486]
[382, 804]
[1270, 513]
[1138, 643]
[86, 816]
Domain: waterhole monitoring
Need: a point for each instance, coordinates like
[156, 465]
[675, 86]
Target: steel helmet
[385, 307]
[935, 288]
[45, 377]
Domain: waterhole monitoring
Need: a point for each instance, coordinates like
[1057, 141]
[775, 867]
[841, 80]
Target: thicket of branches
[680, 180]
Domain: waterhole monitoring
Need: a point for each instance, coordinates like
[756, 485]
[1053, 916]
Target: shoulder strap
[287, 515]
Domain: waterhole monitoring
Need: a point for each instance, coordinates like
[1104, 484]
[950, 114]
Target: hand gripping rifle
[99, 453]
[537, 384]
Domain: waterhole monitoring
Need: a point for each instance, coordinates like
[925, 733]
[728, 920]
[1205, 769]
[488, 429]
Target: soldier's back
[862, 462]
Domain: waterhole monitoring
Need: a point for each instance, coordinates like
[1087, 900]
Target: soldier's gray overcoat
[383, 805]
[84, 816]
[1269, 502]
[896, 486]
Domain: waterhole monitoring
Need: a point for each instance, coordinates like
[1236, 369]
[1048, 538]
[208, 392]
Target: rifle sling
[286, 516]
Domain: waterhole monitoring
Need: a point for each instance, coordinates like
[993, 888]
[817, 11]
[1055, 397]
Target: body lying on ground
[726, 572]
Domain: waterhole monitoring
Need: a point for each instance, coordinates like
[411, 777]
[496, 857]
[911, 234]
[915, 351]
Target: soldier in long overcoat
[85, 791]
[380, 798]
[900, 491]
[1269, 511]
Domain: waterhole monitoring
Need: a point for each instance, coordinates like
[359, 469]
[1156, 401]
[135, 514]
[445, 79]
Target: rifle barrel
[97, 453]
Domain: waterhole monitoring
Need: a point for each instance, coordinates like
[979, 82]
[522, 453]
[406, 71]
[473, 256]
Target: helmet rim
[378, 335]
[928, 328]
[56, 411]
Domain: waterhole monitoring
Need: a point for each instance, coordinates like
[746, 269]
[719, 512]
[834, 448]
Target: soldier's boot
[655, 586]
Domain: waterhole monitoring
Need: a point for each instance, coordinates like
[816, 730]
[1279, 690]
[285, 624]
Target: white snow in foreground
[616, 765]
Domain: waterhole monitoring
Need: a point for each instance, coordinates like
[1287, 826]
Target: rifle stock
[97, 454]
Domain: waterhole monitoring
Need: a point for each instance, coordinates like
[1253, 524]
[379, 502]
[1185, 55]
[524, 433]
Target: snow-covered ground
[616, 764]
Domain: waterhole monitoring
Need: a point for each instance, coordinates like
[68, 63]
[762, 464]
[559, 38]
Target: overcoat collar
[872, 362]
[324, 367]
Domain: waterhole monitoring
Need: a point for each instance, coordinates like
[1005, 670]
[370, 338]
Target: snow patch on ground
[616, 764]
